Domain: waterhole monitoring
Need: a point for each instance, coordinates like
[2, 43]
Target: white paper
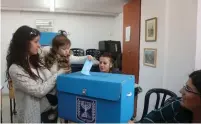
[87, 67]
[128, 33]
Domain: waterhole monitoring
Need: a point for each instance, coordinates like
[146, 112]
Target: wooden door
[131, 49]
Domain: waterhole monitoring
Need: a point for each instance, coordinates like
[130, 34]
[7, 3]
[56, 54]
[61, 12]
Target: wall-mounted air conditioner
[44, 25]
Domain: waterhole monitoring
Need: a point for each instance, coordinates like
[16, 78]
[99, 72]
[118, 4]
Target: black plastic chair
[93, 52]
[158, 91]
[118, 61]
[77, 51]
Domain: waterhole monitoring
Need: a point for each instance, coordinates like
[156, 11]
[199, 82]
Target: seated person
[184, 110]
[106, 64]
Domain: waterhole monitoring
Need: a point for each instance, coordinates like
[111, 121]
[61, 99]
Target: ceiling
[107, 7]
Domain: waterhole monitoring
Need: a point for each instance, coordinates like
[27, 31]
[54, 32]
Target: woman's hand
[64, 71]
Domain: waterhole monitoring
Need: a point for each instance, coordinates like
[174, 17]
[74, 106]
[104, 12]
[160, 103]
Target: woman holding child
[33, 82]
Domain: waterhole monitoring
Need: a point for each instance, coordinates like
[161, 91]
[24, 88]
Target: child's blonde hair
[58, 41]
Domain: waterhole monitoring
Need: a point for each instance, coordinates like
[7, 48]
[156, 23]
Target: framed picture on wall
[150, 57]
[151, 29]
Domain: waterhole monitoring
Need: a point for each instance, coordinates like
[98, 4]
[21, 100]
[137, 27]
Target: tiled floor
[6, 109]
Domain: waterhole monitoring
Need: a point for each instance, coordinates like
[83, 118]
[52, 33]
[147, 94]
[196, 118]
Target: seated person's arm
[164, 114]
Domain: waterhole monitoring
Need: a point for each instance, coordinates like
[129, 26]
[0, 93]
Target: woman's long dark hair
[19, 49]
[196, 79]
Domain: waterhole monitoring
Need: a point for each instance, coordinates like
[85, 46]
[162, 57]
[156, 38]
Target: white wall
[86, 31]
[198, 42]
[118, 29]
[181, 42]
[151, 77]
[0, 50]
[176, 44]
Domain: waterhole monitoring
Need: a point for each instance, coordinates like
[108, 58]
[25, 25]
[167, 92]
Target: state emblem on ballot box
[86, 110]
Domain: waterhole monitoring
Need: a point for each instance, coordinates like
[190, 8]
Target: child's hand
[89, 57]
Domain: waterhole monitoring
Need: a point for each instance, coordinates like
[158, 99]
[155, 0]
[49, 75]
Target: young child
[59, 57]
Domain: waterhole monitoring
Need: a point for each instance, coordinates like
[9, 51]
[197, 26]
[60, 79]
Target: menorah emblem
[86, 106]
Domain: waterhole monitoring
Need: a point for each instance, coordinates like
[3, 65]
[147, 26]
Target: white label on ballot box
[87, 67]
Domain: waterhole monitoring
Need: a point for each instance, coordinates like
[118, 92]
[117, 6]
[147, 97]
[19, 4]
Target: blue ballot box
[97, 98]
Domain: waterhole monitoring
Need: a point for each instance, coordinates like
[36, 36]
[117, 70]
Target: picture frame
[150, 57]
[151, 29]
